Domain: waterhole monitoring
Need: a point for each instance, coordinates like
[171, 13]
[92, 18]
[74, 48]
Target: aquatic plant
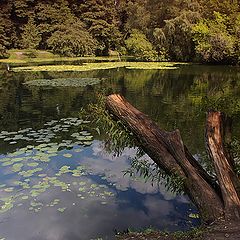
[29, 166]
[99, 66]
[64, 82]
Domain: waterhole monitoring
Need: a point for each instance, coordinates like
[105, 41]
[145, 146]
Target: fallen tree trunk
[169, 153]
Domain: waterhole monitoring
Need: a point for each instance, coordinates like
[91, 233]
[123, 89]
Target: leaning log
[168, 151]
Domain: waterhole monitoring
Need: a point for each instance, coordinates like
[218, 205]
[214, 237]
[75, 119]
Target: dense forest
[167, 30]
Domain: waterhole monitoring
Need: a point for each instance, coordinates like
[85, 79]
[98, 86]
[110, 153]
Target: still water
[57, 181]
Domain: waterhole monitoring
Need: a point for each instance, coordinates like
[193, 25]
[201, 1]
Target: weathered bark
[202, 172]
[223, 167]
[170, 154]
[146, 131]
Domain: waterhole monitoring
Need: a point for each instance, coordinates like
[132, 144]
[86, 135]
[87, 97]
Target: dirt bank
[221, 231]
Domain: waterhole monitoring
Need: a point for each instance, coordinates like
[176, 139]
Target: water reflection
[86, 218]
[171, 97]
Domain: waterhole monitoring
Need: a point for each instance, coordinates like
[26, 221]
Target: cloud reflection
[135, 204]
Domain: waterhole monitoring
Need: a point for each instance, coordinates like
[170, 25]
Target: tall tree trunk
[223, 166]
[168, 151]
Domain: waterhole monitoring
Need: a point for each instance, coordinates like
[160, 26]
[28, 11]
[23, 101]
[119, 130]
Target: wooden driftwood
[169, 152]
[222, 164]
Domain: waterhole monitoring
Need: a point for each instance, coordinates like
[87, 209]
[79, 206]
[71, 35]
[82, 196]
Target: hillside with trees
[189, 30]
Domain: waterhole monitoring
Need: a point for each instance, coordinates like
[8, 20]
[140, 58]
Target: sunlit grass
[22, 56]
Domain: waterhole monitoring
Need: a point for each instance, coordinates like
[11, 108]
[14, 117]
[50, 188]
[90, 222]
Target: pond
[57, 180]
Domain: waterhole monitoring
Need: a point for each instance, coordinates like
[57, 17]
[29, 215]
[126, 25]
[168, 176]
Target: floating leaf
[33, 164]
[82, 189]
[24, 197]
[29, 173]
[82, 183]
[8, 163]
[42, 175]
[98, 66]
[17, 167]
[8, 204]
[10, 189]
[61, 209]
[193, 215]
[77, 150]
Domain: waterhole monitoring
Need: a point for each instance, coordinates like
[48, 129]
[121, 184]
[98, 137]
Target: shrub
[3, 52]
[72, 40]
[139, 46]
[213, 41]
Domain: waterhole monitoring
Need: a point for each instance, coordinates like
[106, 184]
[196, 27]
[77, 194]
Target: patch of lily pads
[100, 66]
[64, 82]
[30, 171]
[44, 136]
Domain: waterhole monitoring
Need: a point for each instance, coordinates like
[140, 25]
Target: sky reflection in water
[97, 199]
[131, 202]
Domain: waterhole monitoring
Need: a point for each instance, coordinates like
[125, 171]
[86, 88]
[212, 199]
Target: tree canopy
[189, 30]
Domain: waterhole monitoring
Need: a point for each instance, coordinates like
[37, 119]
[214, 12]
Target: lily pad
[10, 189]
[29, 173]
[61, 209]
[33, 164]
[67, 155]
[98, 66]
[24, 197]
[8, 163]
[193, 215]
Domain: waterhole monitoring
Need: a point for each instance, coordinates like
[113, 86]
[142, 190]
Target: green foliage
[235, 151]
[138, 16]
[31, 36]
[49, 18]
[222, 98]
[225, 103]
[178, 34]
[168, 28]
[3, 52]
[20, 9]
[3, 41]
[97, 66]
[151, 172]
[101, 20]
[71, 39]
[213, 40]
[227, 7]
[119, 137]
[139, 46]
[160, 43]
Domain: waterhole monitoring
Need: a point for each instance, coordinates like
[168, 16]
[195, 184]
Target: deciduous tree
[72, 39]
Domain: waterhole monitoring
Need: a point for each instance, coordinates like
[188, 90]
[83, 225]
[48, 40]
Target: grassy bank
[222, 230]
[37, 56]
[196, 234]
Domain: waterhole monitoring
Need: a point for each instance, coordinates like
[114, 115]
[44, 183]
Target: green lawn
[28, 56]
